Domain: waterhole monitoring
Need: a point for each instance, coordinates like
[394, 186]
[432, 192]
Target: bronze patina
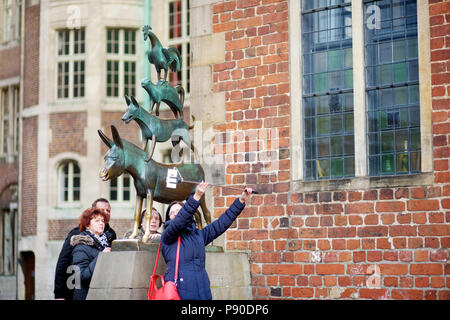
[162, 58]
[163, 91]
[155, 129]
[149, 178]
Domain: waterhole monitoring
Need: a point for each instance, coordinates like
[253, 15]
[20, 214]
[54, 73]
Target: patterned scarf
[101, 238]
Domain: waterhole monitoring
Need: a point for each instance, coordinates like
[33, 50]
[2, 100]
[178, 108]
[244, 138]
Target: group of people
[94, 235]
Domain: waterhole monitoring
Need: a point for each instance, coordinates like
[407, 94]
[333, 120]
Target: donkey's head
[114, 158]
[132, 109]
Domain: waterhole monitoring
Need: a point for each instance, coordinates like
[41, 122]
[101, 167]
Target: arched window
[69, 182]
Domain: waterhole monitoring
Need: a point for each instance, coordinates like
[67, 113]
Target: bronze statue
[150, 178]
[155, 129]
[162, 58]
[163, 91]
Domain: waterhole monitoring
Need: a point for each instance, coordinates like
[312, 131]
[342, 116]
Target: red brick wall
[10, 62]
[58, 229]
[339, 243]
[68, 133]
[31, 58]
[29, 182]
[9, 174]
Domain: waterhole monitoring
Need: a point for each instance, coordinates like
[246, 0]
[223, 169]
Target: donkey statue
[149, 178]
[155, 129]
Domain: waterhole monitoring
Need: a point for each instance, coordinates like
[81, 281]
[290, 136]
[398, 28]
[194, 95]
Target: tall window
[327, 89]
[7, 236]
[70, 58]
[10, 19]
[69, 182]
[9, 124]
[178, 18]
[121, 62]
[388, 29]
[119, 188]
[392, 88]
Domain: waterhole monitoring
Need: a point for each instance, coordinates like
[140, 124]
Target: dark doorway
[27, 262]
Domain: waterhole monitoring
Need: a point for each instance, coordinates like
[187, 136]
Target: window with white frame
[178, 37]
[9, 124]
[121, 62]
[69, 182]
[119, 188]
[70, 57]
[10, 17]
[389, 95]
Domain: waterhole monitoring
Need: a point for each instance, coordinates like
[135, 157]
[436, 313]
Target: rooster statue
[162, 58]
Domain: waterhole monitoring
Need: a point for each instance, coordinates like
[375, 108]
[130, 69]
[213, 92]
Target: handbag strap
[177, 260]
[157, 257]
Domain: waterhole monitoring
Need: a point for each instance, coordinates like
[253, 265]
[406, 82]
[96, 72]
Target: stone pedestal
[124, 273]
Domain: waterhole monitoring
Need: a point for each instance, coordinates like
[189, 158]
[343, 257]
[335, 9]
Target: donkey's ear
[127, 99]
[105, 139]
[116, 137]
[134, 101]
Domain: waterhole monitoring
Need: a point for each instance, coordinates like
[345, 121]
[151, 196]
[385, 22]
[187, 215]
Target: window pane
[63, 80]
[392, 89]
[112, 78]
[79, 41]
[63, 42]
[175, 19]
[78, 79]
[112, 41]
[328, 71]
[113, 189]
[130, 78]
[129, 41]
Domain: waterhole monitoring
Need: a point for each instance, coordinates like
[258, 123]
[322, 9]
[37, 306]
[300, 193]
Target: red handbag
[168, 290]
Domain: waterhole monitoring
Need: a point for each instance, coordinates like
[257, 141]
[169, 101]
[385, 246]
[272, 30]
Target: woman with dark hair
[193, 281]
[87, 245]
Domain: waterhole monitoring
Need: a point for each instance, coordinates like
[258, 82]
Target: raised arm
[219, 226]
[184, 217]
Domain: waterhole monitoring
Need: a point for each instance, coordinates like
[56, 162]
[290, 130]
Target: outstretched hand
[200, 190]
[245, 195]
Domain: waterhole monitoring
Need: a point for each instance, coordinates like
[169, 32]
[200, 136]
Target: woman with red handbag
[193, 281]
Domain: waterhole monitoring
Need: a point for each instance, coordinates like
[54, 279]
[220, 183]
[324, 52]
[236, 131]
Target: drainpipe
[18, 218]
[145, 63]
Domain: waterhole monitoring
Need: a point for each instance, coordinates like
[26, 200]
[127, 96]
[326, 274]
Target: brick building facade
[358, 236]
[384, 238]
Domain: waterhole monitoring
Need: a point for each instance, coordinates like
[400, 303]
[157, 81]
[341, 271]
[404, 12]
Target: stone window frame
[122, 58]
[361, 180]
[11, 93]
[10, 30]
[71, 58]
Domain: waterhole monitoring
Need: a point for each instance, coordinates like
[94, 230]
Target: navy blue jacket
[193, 282]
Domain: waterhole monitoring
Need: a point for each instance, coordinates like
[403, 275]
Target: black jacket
[84, 256]
[65, 260]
